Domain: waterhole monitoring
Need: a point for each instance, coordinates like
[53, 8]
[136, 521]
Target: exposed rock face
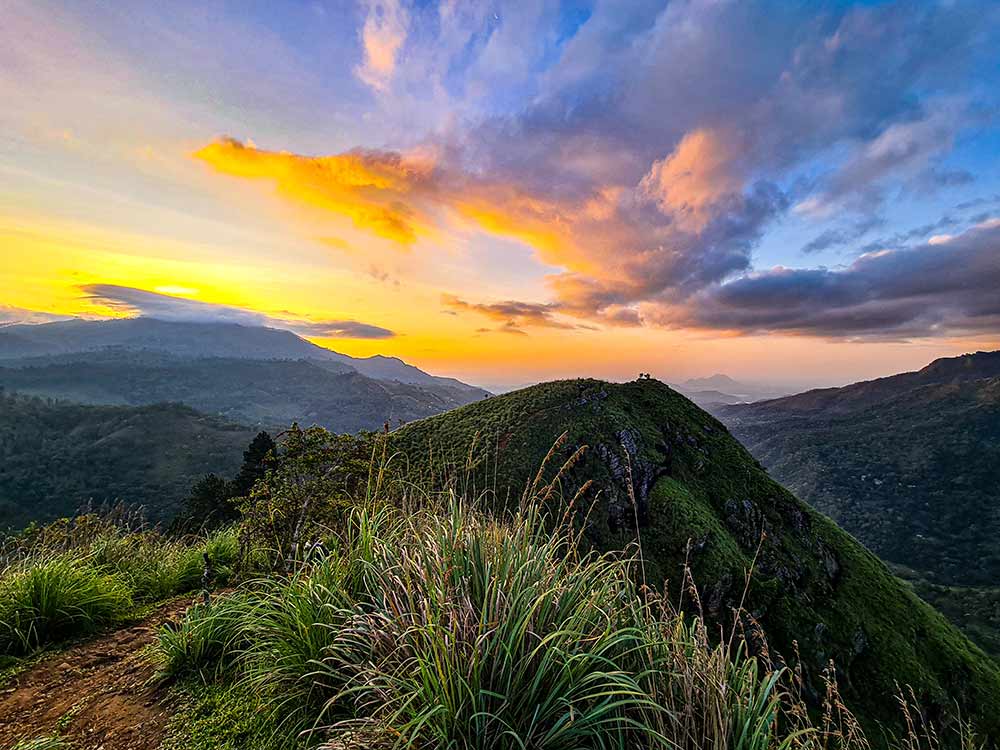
[634, 476]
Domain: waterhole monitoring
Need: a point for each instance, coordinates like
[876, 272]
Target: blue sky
[517, 185]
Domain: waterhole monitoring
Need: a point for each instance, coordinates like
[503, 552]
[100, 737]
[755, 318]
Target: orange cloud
[374, 189]
[617, 245]
[691, 181]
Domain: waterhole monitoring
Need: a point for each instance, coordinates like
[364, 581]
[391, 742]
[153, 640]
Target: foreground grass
[455, 630]
[60, 586]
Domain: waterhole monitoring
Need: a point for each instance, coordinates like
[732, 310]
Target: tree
[261, 450]
[209, 504]
[314, 478]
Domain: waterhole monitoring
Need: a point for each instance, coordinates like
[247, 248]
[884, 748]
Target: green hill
[913, 472]
[57, 457]
[701, 497]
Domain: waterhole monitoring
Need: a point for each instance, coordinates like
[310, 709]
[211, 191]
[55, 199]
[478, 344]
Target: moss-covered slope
[700, 496]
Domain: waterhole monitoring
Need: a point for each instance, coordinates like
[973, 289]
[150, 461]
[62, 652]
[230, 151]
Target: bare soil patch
[99, 695]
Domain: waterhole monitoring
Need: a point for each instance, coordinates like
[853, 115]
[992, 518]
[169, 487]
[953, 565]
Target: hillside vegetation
[443, 626]
[421, 589]
[57, 457]
[910, 465]
[700, 497]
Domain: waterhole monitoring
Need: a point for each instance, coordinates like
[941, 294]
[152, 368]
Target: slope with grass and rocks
[670, 477]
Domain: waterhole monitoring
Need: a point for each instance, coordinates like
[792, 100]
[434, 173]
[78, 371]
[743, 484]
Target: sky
[790, 192]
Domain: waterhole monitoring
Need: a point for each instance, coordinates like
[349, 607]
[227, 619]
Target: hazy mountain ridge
[270, 393]
[198, 340]
[700, 497]
[260, 376]
[722, 389]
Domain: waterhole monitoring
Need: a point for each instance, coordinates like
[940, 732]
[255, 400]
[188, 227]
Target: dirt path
[95, 696]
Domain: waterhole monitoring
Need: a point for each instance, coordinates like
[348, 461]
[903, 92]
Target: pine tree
[255, 461]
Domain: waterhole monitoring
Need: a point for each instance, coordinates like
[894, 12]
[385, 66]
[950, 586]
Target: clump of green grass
[74, 578]
[41, 743]
[207, 641]
[459, 630]
[57, 598]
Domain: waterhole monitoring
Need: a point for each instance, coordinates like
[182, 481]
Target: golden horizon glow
[478, 202]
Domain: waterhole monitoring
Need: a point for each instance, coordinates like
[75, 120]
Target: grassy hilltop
[378, 599]
[700, 497]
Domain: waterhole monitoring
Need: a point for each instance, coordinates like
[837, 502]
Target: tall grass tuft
[208, 641]
[75, 577]
[455, 629]
[54, 599]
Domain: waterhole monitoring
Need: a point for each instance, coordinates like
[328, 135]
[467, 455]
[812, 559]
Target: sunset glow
[513, 192]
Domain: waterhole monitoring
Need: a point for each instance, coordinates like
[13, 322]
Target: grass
[41, 743]
[704, 502]
[60, 586]
[218, 716]
[456, 629]
[53, 599]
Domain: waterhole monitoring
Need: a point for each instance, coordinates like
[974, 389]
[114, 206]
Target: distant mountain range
[722, 389]
[253, 375]
[909, 464]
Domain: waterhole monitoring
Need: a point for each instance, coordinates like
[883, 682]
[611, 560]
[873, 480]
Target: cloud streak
[513, 315]
[10, 315]
[940, 288]
[132, 302]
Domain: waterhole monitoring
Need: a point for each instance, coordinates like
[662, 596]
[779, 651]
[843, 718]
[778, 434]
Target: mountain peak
[667, 473]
